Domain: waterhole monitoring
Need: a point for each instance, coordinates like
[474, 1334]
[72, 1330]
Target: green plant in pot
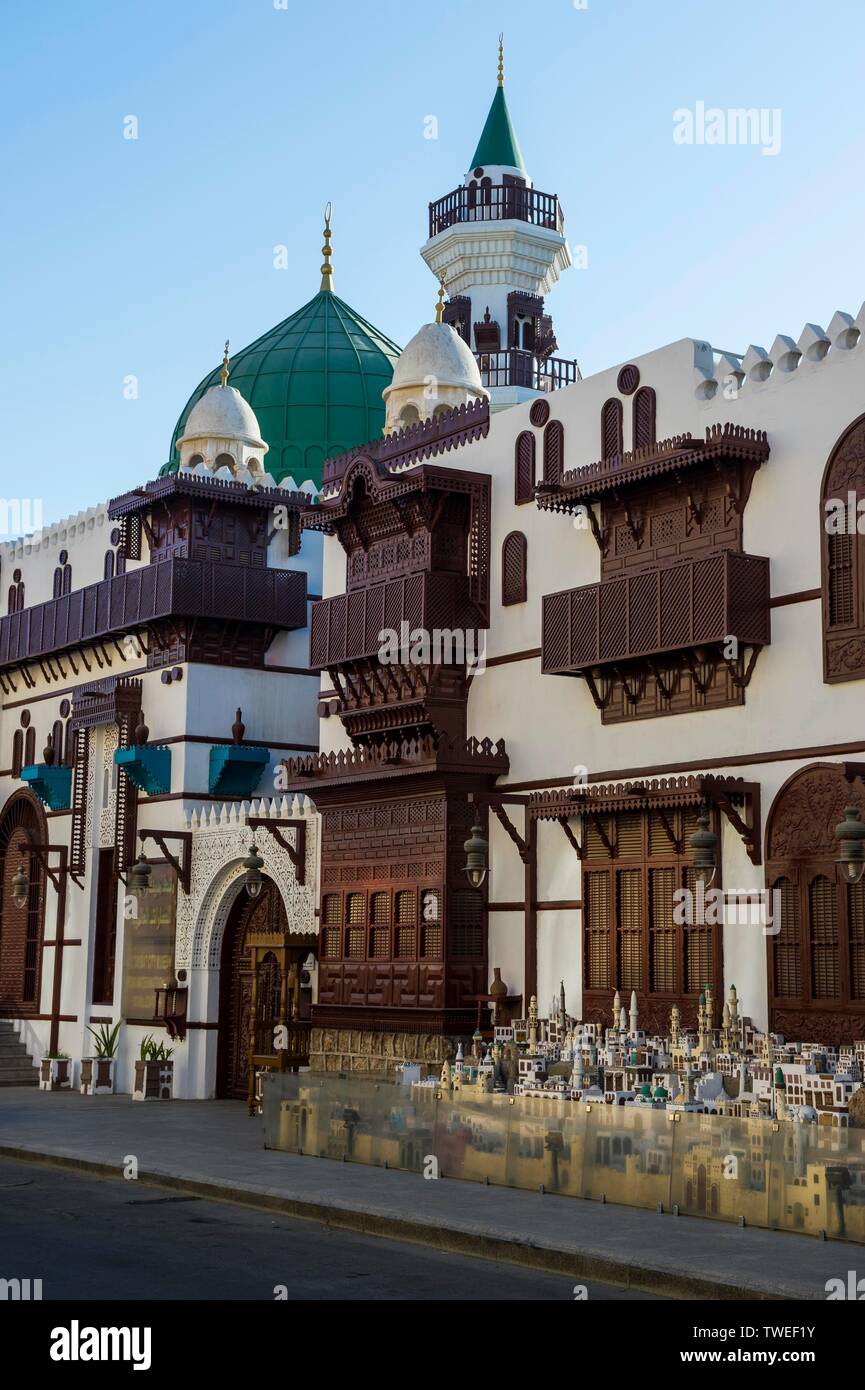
[154, 1071]
[97, 1072]
[55, 1072]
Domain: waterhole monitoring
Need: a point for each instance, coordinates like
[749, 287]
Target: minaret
[634, 1018]
[617, 1008]
[500, 245]
[533, 1024]
[674, 1027]
[562, 1000]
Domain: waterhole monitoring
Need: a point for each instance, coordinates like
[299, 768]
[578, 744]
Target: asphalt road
[91, 1238]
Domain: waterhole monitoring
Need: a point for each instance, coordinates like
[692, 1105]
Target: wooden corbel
[183, 866]
[297, 854]
[750, 832]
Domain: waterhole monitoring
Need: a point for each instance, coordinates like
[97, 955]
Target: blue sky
[137, 258]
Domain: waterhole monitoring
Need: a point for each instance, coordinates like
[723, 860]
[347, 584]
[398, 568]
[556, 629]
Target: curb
[447, 1239]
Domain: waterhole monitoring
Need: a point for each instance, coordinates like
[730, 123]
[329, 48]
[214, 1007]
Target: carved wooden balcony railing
[173, 588]
[657, 612]
[723, 443]
[515, 367]
[349, 627]
[496, 203]
[399, 758]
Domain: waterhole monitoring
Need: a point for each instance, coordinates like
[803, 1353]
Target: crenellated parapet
[787, 356]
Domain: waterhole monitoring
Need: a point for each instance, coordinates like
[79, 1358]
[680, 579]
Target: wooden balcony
[515, 367]
[173, 588]
[498, 203]
[348, 627]
[657, 613]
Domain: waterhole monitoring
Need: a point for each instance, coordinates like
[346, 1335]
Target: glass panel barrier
[791, 1175]
[628, 1155]
[721, 1167]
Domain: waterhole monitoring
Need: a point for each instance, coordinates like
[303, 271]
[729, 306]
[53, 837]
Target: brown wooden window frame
[842, 561]
[525, 452]
[623, 953]
[612, 428]
[515, 548]
[554, 451]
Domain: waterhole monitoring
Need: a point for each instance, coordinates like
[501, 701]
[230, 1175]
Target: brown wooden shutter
[662, 931]
[554, 452]
[524, 468]
[629, 933]
[644, 417]
[842, 599]
[596, 928]
[104, 941]
[611, 429]
[823, 937]
[17, 752]
[699, 964]
[787, 948]
[856, 929]
[514, 582]
[379, 934]
[355, 913]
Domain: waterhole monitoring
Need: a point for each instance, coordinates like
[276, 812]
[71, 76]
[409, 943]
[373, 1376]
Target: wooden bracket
[510, 829]
[183, 866]
[750, 830]
[613, 853]
[297, 854]
[571, 837]
[600, 701]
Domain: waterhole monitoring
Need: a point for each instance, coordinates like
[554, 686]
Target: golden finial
[440, 306]
[223, 375]
[327, 268]
[501, 60]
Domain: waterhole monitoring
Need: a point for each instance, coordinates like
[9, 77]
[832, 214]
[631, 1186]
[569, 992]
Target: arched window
[17, 751]
[120, 562]
[524, 468]
[816, 941]
[108, 565]
[30, 747]
[514, 548]
[224, 461]
[843, 558]
[16, 593]
[57, 741]
[62, 575]
[554, 452]
[644, 417]
[611, 429]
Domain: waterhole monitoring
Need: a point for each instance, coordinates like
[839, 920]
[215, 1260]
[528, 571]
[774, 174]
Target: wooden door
[248, 915]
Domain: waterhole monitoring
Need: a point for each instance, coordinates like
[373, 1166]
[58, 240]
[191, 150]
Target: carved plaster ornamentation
[221, 839]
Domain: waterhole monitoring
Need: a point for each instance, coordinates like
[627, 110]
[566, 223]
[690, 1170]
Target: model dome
[436, 372]
[222, 413]
[314, 383]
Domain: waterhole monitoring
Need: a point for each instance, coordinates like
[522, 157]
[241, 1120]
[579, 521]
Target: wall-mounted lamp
[139, 875]
[477, 855]
[850, 833]
[704, 848]
[253, 864]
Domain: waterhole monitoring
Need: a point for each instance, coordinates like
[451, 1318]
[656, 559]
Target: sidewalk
[213, 1148]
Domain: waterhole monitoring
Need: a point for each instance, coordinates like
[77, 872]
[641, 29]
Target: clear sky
[136, 258]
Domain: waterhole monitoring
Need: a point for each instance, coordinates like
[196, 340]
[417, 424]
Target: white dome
[437, 350]
[222, 413]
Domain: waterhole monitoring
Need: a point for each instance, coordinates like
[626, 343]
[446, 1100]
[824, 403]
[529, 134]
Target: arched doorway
[21, 928]
[260, 993]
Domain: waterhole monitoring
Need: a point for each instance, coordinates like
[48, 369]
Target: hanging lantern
[704, 848]
[850, 834]
[477, 851]
[253, 864]
[139, 875]
[20, 886]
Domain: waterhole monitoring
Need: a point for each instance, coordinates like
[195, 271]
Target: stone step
[12, 1048]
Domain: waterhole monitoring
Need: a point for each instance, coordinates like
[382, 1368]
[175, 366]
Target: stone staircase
[16, 1064]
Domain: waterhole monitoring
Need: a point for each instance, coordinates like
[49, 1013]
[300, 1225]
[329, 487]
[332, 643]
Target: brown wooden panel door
[235, 990]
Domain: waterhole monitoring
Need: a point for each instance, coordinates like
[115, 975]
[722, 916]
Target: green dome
[315, 384]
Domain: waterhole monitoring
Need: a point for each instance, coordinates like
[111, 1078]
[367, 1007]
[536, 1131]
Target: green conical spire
[498, 143]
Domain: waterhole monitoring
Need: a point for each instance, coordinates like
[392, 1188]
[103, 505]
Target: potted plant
[154, 1071]
[97, 1073]
[55, 1072]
